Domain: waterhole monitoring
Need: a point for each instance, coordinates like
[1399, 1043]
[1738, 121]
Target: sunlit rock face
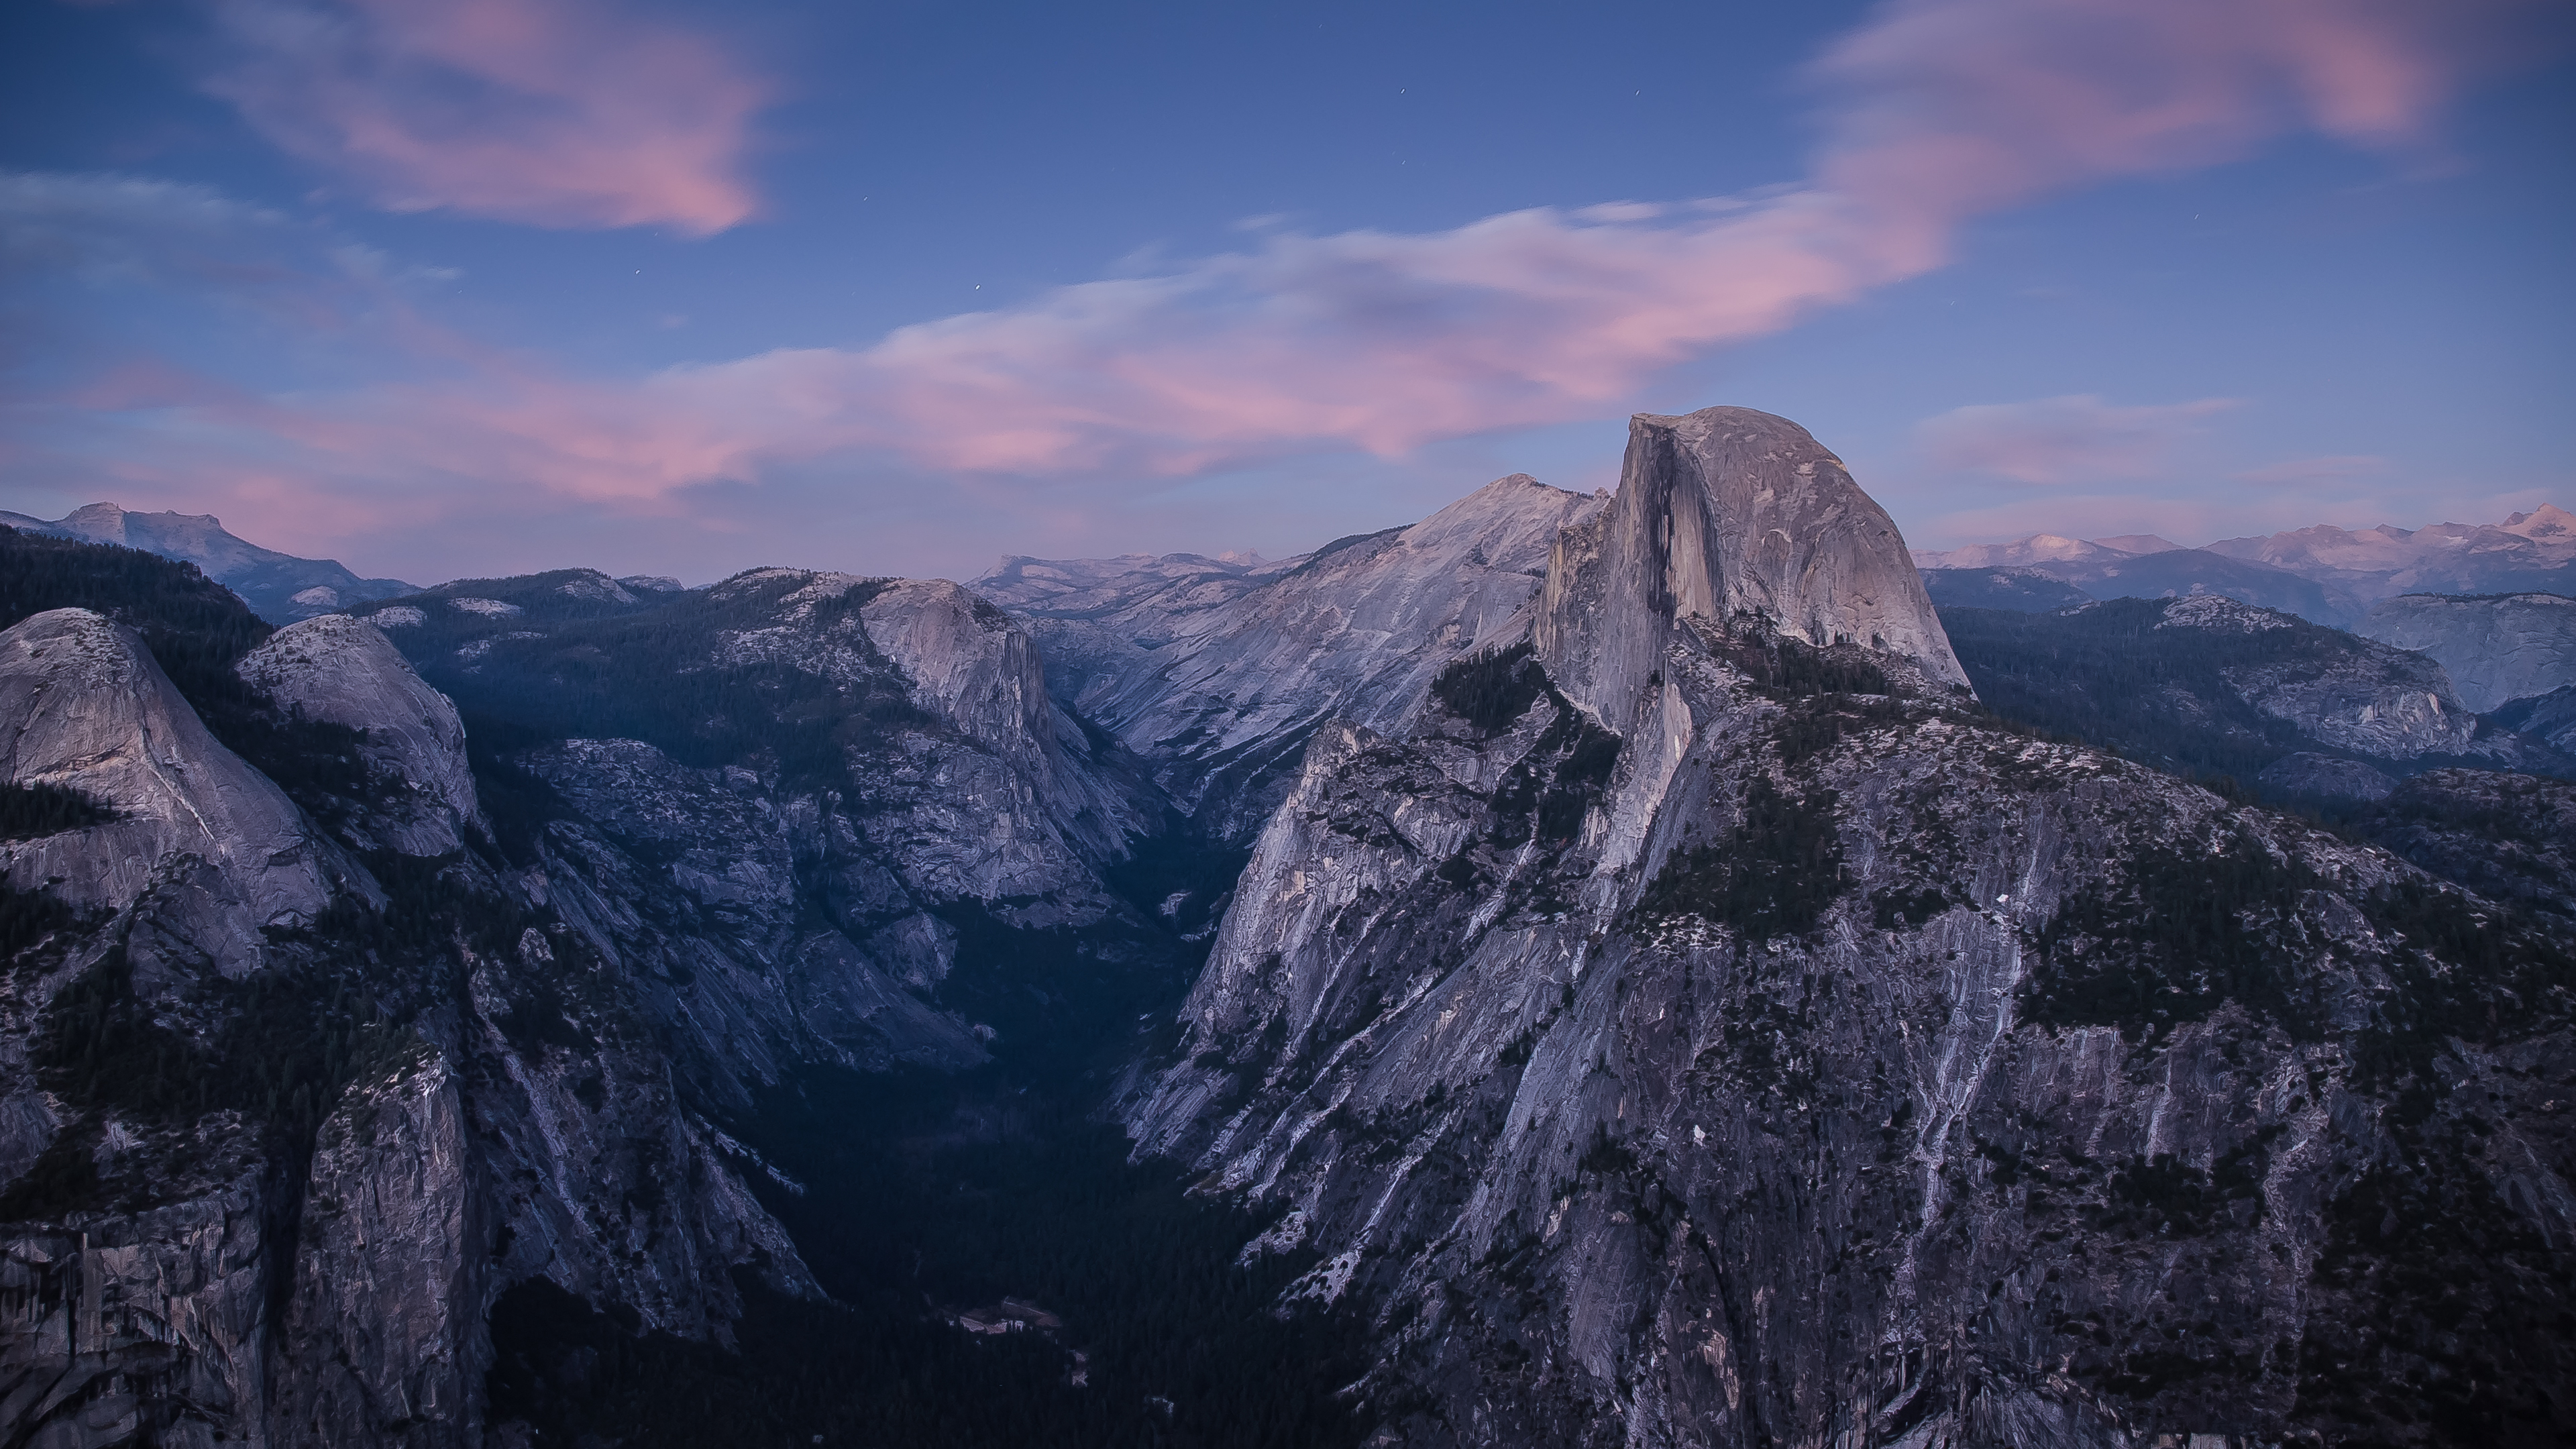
[1802, 1058]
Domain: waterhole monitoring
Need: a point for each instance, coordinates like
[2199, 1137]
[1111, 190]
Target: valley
[1637, 967]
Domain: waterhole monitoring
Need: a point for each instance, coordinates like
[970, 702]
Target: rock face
[2550, 717]
[1722, 515]
[2497, 648]
[344, 672]
[318, 1077]
[1218, 678]
[220, 851]
[1800, 1059]
[278, 586]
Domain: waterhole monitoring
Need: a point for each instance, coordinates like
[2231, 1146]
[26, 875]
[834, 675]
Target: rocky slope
[1686, 1033]
[1218, 680]
[2497, 648]
[2210, 686]
[301, 1080]
[278, 587]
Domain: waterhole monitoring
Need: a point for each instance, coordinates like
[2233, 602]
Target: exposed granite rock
[203, 844]
[343, 671]
[150, 1326]
[2370, 699]
[2497, 647]
[1826, 1068]
[1218, 682]
[1723, 513]
[384, 1331]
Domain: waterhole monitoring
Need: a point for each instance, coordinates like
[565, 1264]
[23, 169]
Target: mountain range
[280, 588]
[1591, 969]
[2326, 574]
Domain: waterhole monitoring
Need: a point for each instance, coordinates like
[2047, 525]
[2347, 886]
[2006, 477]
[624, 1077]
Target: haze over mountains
[2325, 573]
[1577, 969]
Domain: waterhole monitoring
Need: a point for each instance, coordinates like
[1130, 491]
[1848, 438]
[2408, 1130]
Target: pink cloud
[2062, 439]
[1933, 111]
[553, 112]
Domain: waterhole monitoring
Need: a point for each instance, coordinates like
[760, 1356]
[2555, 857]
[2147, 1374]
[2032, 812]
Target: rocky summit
[1581, 969]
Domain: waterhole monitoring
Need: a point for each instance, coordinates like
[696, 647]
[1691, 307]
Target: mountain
[2498, 647]
[2209, 686]
[2528, 552]
[2550, 717]
[397, 1000]
[1585, 969]
[280, 588]
[1692, 1027]
[1219, 678]
[2024, 590]
[2324, 573]
[2143, 566]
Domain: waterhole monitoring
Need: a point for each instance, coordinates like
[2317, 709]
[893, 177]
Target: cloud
[559, 113]
[2061, 439]
[2315, 470]
[1932, 112]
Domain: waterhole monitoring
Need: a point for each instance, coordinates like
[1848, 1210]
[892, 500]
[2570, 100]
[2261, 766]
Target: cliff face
[1218, 682]
[340, 671]
[219, 851]
[1728, 513]
[316, 1077]
[2497, 648]
[1801, 1059]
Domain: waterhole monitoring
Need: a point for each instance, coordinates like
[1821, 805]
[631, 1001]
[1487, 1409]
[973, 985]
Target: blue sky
[510, 284]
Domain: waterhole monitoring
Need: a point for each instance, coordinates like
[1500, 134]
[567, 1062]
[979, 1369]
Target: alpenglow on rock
[1722, 513]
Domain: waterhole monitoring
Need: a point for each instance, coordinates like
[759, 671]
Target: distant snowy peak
[2528, 551]
[2042, 548]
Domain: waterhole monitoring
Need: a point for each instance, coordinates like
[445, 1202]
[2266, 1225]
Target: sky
[448, 288]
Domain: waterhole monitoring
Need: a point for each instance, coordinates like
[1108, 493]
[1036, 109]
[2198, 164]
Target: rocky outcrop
[392, 1259]
[1217, 681]
[2549, 717]
[204, 849]
[2387, 703]
[2496, 648]
[1804, 1059]
[343, 671]
[1724, 514]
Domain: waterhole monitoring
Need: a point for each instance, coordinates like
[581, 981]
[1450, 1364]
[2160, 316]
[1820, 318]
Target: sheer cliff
[1708, 1026]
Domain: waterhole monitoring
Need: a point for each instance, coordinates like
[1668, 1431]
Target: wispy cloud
[1932, 112]
[2316, 470]
[2062, 439]
[559, 113]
